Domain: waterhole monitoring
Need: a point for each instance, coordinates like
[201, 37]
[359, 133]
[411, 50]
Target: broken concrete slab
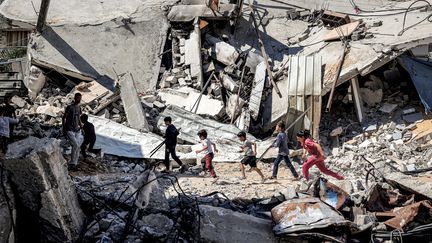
[157, 225]
[415, 117]
[18, 101]
[234, 106]
[371, 97]
[132, 104]
[222, 51]
[117, 139]
[388, 108]
[49, 110]
[225, 226]
[186, 98]
[229, 83]
[336, 132]
[419, 184]
[151, 197]
[185, 13]
[132, 47]
[193, 54]
[34, 81]
[257, 90]
[243, 121]
[39, 172]
[341, 31]
[91, 91]
[224, 135]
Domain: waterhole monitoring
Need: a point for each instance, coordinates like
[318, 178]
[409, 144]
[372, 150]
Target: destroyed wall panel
[184, 13]
[257, 90]
[90, 12]
[115, 49]
[304, 90]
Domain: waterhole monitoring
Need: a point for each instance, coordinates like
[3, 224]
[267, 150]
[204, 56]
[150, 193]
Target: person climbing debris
[89, 137]
[282, 144]
[9, 111]
[71, 129]
[209, 147]
[316, 156]
[171, 134]
[5, 123]
[249, 149]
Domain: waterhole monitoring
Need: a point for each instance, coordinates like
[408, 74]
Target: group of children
[248, 147]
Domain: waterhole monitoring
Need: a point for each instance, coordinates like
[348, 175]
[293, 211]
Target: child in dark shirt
[89, 137]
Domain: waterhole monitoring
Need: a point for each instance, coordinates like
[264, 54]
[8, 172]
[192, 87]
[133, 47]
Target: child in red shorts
[208, 147]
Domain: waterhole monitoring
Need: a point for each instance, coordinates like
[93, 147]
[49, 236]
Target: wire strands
[356, 7]
[428, 18]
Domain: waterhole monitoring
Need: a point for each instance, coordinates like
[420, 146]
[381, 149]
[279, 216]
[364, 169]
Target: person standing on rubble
[9, 111]
[5, 123]
[282, 144]
[71, 128]
[171, 134]
[249, 148]
[316, 156]
[209, 147]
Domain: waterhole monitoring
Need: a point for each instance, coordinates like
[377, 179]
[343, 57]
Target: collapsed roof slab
[103, 51]
[367, 55]
[82, 12]
[90, 39]
[343, 6]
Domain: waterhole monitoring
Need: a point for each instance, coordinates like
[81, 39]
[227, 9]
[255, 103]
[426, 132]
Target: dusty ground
[230, 183]
[229, 180]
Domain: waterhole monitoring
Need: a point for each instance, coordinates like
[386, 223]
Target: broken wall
[38, 170]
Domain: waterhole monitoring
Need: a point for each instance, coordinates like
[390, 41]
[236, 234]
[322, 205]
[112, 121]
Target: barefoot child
[316, 156]
[207, 146]
[249, 148]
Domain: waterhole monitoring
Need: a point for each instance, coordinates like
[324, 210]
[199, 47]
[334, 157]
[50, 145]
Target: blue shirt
[282, 144]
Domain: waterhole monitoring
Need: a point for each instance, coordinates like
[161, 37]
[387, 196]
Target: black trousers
[168, 151]
[88, 145]
[4, 141]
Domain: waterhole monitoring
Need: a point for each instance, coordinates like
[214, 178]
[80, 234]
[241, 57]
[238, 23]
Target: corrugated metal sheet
[305, 75]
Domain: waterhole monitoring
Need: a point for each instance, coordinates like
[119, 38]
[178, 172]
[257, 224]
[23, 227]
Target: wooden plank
[344, 30]
[317, 98]
[107, 103]
[91, 91]
[423, 130]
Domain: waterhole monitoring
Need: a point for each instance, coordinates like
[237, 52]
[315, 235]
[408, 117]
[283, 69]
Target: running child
[209, 147]
[249, 148]
[316, 156]
[282, 144]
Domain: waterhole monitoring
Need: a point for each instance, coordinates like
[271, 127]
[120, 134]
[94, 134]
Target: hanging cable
[428, 18]
[355, 6]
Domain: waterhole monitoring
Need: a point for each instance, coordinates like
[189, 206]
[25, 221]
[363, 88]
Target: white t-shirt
[207, 142]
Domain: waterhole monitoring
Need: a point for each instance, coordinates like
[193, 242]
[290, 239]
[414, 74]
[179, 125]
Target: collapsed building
[353, 72]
